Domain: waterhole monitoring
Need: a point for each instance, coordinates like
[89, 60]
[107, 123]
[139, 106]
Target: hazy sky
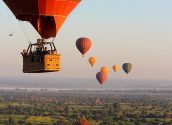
[135, 31]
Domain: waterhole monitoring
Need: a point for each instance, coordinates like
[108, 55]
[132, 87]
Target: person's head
[55, 52]
[49, 52]
[24, 51]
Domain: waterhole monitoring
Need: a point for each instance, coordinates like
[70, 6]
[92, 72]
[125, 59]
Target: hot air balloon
[105, 70]
[83, 45]
[84, 121]
[47, 17]
[116, 68]
[127, 67]
[101, 77]
[92, 61]
[98, 101]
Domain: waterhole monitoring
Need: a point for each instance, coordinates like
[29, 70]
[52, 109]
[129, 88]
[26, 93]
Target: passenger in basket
[45, 51]
[55, 52]
[24, 53]
[49, 51]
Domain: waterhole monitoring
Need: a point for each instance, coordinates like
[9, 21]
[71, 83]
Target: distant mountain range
[91, 84]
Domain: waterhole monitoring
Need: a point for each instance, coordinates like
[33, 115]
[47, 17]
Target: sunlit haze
[138, 32]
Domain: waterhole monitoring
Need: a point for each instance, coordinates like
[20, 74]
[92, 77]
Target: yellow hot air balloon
[116, 68]
[105, 70]
[92, 61]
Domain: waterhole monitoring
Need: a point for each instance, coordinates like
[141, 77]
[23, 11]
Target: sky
[134, 31]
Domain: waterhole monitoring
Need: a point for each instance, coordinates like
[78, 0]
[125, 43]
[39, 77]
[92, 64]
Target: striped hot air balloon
[127, 67]
[46, 16]
[83, 44]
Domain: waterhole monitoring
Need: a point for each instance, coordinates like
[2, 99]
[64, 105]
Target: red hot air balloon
[83, 44]
[84, 121]
[101, 77]
[46, 16]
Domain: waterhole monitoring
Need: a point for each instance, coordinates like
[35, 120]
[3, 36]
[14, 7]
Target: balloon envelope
[46, 16]
[84, 121]
[127, 67]
[116, 68]
[83, 44]
[92, 61]
[105, 70]
[101, 77]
